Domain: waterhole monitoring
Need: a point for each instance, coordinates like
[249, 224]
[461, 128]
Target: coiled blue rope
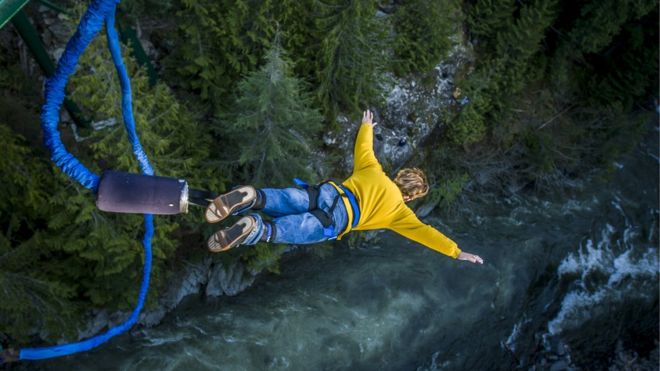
[99, 11]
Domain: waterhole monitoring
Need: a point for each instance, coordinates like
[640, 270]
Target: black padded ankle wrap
[265, 236]
[273, 232]
[260, 202]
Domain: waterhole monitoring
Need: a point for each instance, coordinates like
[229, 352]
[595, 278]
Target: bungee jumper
[367, 200]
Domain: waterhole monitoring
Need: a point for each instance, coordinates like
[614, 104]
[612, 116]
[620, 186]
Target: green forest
[242, 92]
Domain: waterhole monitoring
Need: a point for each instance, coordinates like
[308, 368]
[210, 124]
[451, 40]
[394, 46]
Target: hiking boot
[233, 236]
[232, 202]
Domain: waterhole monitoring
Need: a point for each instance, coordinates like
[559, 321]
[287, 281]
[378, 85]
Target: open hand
[368, 118]
[470, 257]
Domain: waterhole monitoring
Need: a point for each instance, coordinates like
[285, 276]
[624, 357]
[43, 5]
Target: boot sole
[230, 202]
[228, 238]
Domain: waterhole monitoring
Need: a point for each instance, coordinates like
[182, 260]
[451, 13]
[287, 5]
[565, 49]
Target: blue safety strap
[354, 204]
[99, 11]
[330, 232]
[300, 183]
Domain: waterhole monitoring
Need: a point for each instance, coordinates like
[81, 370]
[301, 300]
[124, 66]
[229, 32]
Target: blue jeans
[292, 222]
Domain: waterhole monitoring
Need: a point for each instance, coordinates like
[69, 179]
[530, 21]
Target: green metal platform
[9, 8]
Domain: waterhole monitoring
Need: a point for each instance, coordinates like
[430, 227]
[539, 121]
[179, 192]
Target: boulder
[228, 280]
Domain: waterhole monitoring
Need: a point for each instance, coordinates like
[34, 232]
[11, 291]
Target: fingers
[471, 258]
[367, 117]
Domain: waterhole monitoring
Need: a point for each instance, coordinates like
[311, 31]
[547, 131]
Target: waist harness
[325, 217]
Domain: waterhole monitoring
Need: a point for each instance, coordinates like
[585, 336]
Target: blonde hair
[412, 183]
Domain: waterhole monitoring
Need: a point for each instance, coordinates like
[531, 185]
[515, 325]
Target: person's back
[379, 198]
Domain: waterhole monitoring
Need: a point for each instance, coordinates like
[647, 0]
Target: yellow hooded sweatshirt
[381, 202]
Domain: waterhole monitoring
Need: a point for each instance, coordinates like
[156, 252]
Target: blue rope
[98, 12]
[127, 95]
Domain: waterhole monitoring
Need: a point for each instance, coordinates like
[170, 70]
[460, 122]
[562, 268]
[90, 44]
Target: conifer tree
[422, 34]
[272, 127]
[221, 41]
[297, 27]
[601, 20]
[350, 58]
[516, 46]
[29, 297]
[486, 18]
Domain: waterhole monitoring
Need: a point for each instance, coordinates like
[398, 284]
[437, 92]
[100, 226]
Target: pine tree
[487, 18]
[272, 125]
[422, 34]
[517, 45]
[29, 298]
[350, 59]
[600, 21]
[297, 29]
[221, 41]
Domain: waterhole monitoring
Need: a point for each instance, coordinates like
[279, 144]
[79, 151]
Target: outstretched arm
[411, 227]
[363, 155]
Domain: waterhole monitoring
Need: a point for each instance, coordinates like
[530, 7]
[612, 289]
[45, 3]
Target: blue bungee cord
[98, 13]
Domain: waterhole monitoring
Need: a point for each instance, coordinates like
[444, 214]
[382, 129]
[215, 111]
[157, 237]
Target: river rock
[228, 280]
[426, 208]
[186, 282]
[98, 322]
[194, 277]
[560, 365]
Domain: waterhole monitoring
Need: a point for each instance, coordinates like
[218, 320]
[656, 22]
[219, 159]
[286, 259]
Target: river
[570, 281]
